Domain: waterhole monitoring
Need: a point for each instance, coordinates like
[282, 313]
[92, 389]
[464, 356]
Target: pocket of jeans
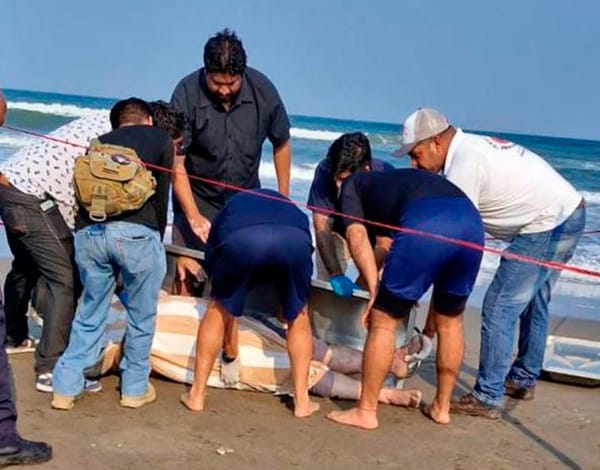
[14, 220]
[136, 248]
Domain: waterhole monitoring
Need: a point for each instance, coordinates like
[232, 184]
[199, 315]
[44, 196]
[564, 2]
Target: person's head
[426, 137]
[224, 65]
[3, 108]
[348, 154]
[130, 112]
[169, 120]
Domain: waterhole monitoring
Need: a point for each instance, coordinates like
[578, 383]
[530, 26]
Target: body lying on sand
[264, 362]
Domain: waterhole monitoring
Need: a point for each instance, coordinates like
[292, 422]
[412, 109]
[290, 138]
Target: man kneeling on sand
[263, 363]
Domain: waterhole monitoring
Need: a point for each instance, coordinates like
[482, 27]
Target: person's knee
[383, 320]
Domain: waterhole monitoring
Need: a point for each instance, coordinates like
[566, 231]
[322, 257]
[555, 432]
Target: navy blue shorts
[416, 262]
[273, 254]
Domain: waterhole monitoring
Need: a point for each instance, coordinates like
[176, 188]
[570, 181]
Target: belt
[4, 181]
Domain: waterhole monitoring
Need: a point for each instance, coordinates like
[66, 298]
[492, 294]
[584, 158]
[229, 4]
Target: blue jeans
[521, 291]
[102, 251]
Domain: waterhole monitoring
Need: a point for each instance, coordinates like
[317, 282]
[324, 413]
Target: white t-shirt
[515, 190]
[45, 168]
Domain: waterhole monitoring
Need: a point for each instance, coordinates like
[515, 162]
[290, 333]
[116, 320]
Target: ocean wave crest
[311, 134]
[15, 141]
[302, 173]
[66, 110]
[591, 197]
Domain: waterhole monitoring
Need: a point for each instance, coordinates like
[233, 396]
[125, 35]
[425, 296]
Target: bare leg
[336, 385]
[449, 358]
[208, 344]
[299, 344]
[378, 354]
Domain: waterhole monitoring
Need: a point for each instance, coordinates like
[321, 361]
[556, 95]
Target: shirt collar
[244, 96]
[451, 149]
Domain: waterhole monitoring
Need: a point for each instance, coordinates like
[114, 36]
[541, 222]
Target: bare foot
[399, 365]
[192, 403]
[355, 417]
[397, 397]
[305, 409]
[436, 414]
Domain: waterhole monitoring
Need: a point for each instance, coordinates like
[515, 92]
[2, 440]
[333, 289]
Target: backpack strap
[97, 210]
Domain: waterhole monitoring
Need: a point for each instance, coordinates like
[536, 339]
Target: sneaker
[517, 392]
[27, 345]
[471, 406]
[43, 383]
[138, 401]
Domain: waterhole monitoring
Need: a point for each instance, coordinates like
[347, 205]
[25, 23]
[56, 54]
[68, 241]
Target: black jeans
[8, 413]
[42, 246]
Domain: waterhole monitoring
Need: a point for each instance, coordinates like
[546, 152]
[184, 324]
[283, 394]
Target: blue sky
[519, 66]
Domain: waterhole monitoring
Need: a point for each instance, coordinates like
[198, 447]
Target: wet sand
[559, 429]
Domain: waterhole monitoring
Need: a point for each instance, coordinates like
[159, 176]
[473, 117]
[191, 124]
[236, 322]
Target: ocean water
[577, 160]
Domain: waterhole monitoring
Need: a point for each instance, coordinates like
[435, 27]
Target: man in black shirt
[230, 110]
[129, 244]
[431, 214]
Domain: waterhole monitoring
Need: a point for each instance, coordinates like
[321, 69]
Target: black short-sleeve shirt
[154, 146]
[226, 145]
[383, 197]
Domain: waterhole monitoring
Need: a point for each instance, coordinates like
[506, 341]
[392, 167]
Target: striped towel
[264, 362]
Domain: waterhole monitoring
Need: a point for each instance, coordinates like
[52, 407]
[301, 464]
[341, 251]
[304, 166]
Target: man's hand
[201, 228]
[230, 371]
[189, 266]
[342, 285]
[366, 315]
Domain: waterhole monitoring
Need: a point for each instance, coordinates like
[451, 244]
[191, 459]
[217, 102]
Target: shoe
[129, 401]
[471, 406]
[63, 402]
[517, 392]
[43, 383]
[27, 345]
[26, 452]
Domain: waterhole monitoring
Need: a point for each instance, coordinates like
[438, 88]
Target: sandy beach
[559, 429]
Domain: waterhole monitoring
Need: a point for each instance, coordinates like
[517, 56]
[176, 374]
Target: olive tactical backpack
[111, 179]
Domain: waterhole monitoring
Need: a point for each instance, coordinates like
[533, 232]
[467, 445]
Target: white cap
[420, 125]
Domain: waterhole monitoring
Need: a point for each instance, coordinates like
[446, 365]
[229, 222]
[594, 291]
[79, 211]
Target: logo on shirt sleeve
[500, 144]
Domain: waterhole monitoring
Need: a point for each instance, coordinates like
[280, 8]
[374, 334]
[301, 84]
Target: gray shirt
[226, 145]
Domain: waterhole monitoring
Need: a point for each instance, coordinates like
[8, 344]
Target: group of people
[405, 229]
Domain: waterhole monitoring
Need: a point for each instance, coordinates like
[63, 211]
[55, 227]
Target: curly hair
[167, 118]
[224, 53]
[349, 152]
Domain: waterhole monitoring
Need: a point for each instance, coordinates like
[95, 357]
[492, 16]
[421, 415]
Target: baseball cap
[420, 125]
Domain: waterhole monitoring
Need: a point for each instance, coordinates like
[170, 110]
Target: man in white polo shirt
[525, 202]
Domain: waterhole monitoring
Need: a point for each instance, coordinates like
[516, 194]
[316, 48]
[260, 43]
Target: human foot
[358, 417]
[399, 365]
[193, 402]
[436, 413]
[305, 408]
[397, 397]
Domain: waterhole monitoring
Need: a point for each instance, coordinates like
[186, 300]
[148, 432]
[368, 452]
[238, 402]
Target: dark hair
[224, 53]
[167, 118]
[132, 110]
[349, 152]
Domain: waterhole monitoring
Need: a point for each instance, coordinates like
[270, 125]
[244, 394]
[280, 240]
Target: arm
[282, 156]
[183, 192]
[363, 255]
[380, 251]
[324, 237]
